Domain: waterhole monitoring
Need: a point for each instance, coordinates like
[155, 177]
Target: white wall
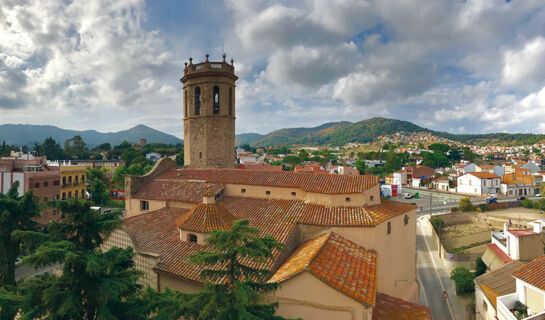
[7, 178]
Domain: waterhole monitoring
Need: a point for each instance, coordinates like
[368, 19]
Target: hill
[245, 138]
[300, 136]
[26, 134]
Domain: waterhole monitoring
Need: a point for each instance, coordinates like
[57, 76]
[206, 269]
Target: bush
[454, 209]
[463, 279]
[479, 209]
[437, 223]
[482, 206]
[527, 203]
[540, 204]
[480, 267]
[466, 205]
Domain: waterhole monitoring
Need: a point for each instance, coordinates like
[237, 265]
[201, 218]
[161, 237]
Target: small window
[192, 237]
[267, 192]
[185, 103]
[197, 101]
[406, 220]
[45, 199]
[242, 190]
[64, 196]
[37, 185]
[82, 193]
[144, 205]
[46, 184]
[200, 155]
[69, 194]
[76, 193]
[216, 100]
[293, 193]
[347, 199]
[389, 228]
[56, 182]
[485, 306]
[372, 198]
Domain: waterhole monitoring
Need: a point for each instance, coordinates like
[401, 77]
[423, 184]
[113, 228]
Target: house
[533, 167]
[464, 167]
[478, 183]
[497, 170]
[492, 284]
[530, 293]
[416, 182]
[421, 172]
[375, 163]
[389, 179]
[441, 184]
[515, 244]
[400, 178]
[343, 170]
[153, 156]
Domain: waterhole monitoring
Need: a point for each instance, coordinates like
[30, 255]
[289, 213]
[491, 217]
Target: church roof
[177, 190]
[206, 217]
[309, 182]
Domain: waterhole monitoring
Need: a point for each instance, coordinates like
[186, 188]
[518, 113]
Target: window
[192, 237]
[389, 228]
[230, 101]
[46, 184]
[197, 101]
[64, 196]
[200, 155]
[45, 199]
[185, 103]
[293, 193]
[267, 192]
[63, 181]
[37, 185]
[82, 193]
[55, 197]
[372, 198]
[485, 306]
[347, 199]
[216, 100]
[82, 178]
[56, 182]
[144, 205]
[69, 194]
[242, 190]
[406, 220]
[76, 193]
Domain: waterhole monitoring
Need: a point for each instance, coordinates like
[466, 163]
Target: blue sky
[460, 66]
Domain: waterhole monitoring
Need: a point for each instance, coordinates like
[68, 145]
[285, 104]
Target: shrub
[527, 203]
[480, 267]
[479, 209]
[540, 204]
[466, 205]
[454, 209]
[437, 223]
[463, 279]
[482, 206]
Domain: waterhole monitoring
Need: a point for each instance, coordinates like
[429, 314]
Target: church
[348, 253]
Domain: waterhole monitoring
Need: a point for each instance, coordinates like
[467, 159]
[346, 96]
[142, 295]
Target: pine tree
[93, 284]
[233, 289]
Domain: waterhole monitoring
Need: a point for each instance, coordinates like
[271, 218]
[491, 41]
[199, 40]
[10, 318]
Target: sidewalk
[457, 304]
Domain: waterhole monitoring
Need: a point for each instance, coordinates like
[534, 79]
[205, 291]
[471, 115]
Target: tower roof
[206, 217]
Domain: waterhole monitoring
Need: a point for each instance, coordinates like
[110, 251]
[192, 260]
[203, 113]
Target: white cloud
[524, 68]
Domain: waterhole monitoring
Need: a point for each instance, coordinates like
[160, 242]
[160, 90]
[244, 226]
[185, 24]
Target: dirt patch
[460, 230]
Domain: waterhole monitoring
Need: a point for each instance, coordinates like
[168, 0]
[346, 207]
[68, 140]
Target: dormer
[201, 220]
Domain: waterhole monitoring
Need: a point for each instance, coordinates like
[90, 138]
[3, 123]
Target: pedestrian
[445, 296]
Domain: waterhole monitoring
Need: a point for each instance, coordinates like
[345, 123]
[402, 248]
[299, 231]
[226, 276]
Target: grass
[115, 204]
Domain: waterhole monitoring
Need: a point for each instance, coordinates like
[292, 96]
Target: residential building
[153, 156]
[31, 174]
[422, 172]
[491, 285]
[532, 166]
[343, 170]
[441, 184]
[73, 181]
[88, 163]
[530, 292]
[478, 183]
[400, 178]
[389, 179]
[497, 170]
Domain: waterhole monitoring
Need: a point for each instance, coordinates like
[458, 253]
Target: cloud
[524, 68]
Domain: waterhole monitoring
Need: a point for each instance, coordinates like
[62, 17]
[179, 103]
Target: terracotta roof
[262, 167]
[483, 175]
[206, 217]
[499, 282]
[533, 273]
[389, 307]
[499, 252]
[310, 182]
[175, 189]
[337, 261]
[522, 232]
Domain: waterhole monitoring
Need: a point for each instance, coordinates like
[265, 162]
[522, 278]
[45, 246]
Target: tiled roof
[389, 307]
[499, 282]
[522, 232]
[206, 217]
[310, 182]
[499, 252]
[262, 167]
[483, 175]
[533, 273]
[176, 189]
[337, 261]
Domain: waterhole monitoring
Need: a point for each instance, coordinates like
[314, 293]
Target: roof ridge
[326, 240]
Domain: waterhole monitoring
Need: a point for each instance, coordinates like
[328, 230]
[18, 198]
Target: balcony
[506, 309]
[499, 239]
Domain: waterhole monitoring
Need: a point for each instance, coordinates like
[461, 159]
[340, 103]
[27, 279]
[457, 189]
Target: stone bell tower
[209, 114]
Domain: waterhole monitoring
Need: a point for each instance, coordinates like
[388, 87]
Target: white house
[153, 156]
[415, 183]
[530, 292]
[478, 183]
[400, 178]
[514, 189]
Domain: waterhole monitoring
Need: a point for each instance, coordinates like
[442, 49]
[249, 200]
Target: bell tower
[209, 114]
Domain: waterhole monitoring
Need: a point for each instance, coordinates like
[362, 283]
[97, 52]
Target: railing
[507, 302]
[498, 239]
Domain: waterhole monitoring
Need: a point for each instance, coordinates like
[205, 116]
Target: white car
[539, 195]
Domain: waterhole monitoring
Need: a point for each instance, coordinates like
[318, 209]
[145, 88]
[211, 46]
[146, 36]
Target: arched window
[197, 101]
[191, 237]
[230, 101]
[185, 103]
[216, 100]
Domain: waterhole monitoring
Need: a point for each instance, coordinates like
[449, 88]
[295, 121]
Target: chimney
[538, 228]
[208, 197]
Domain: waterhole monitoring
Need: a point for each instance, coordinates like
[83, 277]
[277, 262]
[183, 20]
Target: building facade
[73, 181]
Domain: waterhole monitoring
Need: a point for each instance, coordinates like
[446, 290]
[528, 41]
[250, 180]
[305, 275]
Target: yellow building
[73, 182]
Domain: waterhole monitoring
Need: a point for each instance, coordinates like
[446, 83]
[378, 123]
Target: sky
[472, 66]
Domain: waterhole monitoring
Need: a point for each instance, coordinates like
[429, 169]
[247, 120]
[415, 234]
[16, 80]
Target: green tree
[97, 185]
[75, 147]
[527, 203]
[361, 166]
[104, 147]
[16, 213]
[180, 158]
[292, 160]
[303, 155]
[468, 154]
[234, 286]
[465, 205]
[463, 279]
[52, 150]
[480, 267]
[421, 146]
[441, 147]
[93, 284]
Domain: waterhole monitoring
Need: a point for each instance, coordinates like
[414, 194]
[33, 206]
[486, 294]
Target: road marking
[436, 272]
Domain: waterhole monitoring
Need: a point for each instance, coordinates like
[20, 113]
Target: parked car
[490, 200]
[539, 195]
[493, 196]
[521, 198]
[408, 196]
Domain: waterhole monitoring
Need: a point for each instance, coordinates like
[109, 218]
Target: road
[25, 271]
[434, 279]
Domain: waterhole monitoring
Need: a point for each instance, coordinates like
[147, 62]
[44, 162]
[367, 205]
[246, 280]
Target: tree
[16, 213]
[480, 267]
[97, 185]
[104, 147]
[468, 154]
[52, 150]
[421, 146]
[93, 284]
[180, 158]
[463, 279]
[465, 205]
[441, 147]
[303, 155]
[361, 166]
[292, 160]
[75, 147]
[234, 286]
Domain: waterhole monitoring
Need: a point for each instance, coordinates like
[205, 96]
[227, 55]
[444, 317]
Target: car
[539, 195]
[491, 200]
[408, 196]
[521, 198]
[493, 196]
